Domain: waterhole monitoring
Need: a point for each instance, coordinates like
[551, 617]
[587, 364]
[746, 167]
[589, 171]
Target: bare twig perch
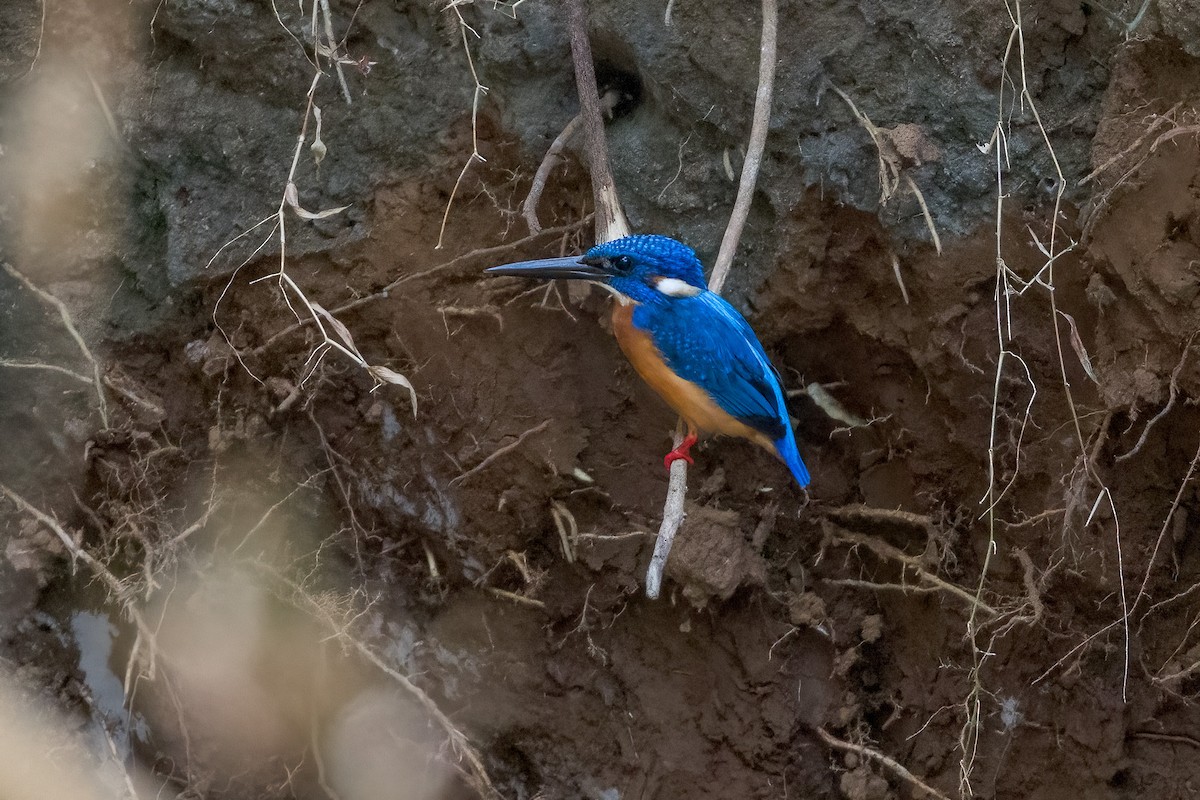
[677, 489]
[754, 151]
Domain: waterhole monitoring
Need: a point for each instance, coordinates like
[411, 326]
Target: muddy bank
[237, 567]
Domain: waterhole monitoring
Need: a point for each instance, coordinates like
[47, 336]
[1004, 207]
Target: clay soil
[236, 565]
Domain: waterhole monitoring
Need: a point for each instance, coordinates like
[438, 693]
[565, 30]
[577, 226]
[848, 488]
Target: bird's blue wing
[706, 341]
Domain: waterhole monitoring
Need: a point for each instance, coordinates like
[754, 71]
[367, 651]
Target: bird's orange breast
[692, 402]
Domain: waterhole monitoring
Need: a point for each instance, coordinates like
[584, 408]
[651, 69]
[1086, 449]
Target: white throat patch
[673, 287]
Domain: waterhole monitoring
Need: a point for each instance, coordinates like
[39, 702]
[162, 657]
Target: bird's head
[643, 269]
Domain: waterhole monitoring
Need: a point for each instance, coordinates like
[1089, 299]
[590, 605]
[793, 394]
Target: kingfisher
[691, 346]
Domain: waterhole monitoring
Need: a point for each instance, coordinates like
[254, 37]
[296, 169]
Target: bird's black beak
[577, 267]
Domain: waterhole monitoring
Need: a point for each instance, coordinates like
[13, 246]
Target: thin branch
[610, 219]
[673, 508]
[754, 150]
[480, 92]
[673, 515]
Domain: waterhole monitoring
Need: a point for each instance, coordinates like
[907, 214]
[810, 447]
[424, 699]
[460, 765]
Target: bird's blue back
[706, 341]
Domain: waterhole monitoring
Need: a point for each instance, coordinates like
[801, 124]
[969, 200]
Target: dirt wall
[241, 567]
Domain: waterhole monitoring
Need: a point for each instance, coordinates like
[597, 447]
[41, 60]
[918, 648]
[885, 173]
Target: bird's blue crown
[650, 254]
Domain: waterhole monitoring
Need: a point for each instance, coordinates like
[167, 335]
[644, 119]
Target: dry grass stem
[473, 256]
[477, 97]
[1008, 286]
[341, 341]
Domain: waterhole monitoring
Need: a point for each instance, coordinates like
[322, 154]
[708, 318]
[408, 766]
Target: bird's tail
[786, 448]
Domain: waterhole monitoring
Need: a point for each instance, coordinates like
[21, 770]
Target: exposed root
[889, 162]
[508, 448]
[529, 208]
[884, 760]
[519, 599]
[890, 516]
[937, 240]
[1096, 208]
[900, 277]
[568, 529]
[1173, 394]
[341, 340]
[932, 582]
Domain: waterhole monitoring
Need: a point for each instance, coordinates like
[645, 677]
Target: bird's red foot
[680, 452]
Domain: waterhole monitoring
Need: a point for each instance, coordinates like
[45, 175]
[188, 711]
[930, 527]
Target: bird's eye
[623, 265]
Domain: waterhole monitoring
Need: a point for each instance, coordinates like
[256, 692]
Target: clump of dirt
[995, 565]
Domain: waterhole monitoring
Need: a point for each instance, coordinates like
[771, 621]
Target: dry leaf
[341, 330]
[1080, 351]
[396, 379]
[291, 197]
[318, 147]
